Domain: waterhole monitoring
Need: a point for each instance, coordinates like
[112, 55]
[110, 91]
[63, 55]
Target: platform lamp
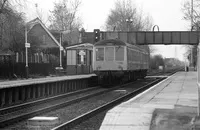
[129, 21]
[61, 49]
[27, 45]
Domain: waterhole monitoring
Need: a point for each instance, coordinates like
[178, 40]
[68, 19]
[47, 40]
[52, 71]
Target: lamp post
[61, 49]
[27, 45]
[191, 58]
[129, 21]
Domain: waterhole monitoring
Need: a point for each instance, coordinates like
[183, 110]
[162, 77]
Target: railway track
[25, 111]
[166, 72]
[39, 110]
[18, 112]
[70, 124]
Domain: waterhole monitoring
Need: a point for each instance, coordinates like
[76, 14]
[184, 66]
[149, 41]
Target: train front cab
[119, 62]
[109, 62]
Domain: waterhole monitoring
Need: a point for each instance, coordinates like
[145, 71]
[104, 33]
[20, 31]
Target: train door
[84, 61]
[89, 60]
[71, 62]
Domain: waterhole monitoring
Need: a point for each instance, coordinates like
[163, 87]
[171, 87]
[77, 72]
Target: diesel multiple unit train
[116, 61]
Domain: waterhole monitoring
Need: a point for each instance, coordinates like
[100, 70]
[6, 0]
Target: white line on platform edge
[134, 98]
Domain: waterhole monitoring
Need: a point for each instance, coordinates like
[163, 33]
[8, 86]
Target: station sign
[61, 48]
[82, 53]
[28, 45]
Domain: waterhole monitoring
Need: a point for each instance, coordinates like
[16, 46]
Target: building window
[43, 39]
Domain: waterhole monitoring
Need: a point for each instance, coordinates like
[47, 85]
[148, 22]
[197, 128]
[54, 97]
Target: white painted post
[26, 67]
[60, 50]
[191, 56]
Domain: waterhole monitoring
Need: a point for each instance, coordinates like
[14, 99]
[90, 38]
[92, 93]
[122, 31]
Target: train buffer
[172, 102]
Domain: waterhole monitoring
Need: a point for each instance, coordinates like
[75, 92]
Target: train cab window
[109, 54]
[119, 53]
[99, 54]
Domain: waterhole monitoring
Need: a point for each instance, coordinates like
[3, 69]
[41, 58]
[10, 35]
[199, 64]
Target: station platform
[21, 91]
[177, 90]
[16, 83]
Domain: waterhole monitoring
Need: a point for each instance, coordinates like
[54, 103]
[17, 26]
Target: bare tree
[6, 5]
[194, 15]
[64, 15]
[125, 16]
[152, 49]
[64, 18]
[11, 24]
[40, 14]
[156, 61]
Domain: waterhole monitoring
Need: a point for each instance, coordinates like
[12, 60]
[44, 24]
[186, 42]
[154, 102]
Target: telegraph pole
[191, 58]
[198, 108]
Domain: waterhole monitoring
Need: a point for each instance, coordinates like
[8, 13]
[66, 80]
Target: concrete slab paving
[187, 102]
[162, 102]
[188, 96]
[119, 127]
[159, 106]
[167, 95]
[136, 114]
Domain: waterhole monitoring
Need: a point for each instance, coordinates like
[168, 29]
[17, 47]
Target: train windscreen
[99, 54]
[109, 56]
[119, 53]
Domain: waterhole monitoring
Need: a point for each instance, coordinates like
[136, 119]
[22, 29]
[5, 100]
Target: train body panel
[137, 58]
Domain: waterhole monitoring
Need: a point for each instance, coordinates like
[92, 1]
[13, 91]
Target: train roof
[116, 42]
[80, 46]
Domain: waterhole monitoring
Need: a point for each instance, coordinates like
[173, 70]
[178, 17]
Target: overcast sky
[166, 14]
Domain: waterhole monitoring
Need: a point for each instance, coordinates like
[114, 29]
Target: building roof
[36, 21]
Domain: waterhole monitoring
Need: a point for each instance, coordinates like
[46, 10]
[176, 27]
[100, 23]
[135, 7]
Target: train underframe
[110, 78]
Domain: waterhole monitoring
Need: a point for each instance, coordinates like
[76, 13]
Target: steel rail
[8, 121]
[79, 119]
[12, 120]
[40, 101]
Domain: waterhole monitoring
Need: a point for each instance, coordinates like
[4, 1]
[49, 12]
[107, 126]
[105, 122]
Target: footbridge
[145, 37]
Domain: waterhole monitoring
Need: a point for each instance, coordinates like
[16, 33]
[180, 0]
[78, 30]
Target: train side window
[119, 53]
[99, 54]
[109, 56]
